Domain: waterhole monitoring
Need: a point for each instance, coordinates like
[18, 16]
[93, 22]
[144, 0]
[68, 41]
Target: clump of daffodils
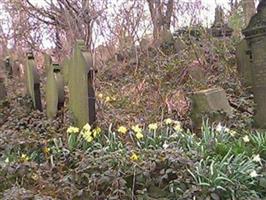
[72, 130]
[138, 132]
[86, 133]
[153, 127]
[122, 129]
[178, 126]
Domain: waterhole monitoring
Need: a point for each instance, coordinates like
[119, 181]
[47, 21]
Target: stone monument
[33, 82]
[80, 83]
[255, 34]
[54, 90]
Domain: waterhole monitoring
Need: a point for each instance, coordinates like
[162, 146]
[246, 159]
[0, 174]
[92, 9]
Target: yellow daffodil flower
[168, 121]
[122, 129]
[87, 127]
[134, 157]
[107, 99]
[24, 157]
[153, 127]
[136, 129]
[96, 132]
[139, 135]
[232, 133]
[178, 127]
[72, 129]
[100, 96]
[246, 139]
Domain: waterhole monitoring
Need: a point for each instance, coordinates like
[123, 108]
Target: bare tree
[161, 13]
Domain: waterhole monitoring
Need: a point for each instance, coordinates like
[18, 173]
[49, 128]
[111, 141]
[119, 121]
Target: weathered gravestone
[65, 69]
[244, 64]
[47, 62]
[3, 92]
[219, 27]
[211, 103]
[255, 34]
[15, 68]
[33, 82]
[80, 83]
[54, 90]
[8, 67]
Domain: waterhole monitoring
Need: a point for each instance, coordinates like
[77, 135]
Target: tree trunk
[249, 9]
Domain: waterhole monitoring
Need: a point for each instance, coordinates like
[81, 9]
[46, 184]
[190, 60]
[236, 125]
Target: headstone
[54, 90]
[8, 67]
[211, 103]
[255, 34]
[81, 90]
[15, 68]
[219, 27]
[3, 92]
[244, 64]
[65, 69]
[47, 62]
[33, 82]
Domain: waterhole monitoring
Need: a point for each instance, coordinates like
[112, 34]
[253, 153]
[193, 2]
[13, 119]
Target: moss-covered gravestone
[3, 92]
[66, 64]
[47, 62]
[54, 90]
[255, 34]
[33, 82]
[244, 64]
[80, 83]
[211, 103]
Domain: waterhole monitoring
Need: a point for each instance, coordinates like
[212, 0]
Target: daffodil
[107, 99]
[139, 135]
[153, 127]
[219, 127]
[232, 133]
[246, 138]
[122, 129]
[100, 96]
[136, 129]
[46, 150]
[24, 157]
[72, 129]
[256, 158]
[168, 121]
[134, 157]
[87, 136]
[7, 160]
[96, 132]
[253, 174]
[178, 127]
[87, 127]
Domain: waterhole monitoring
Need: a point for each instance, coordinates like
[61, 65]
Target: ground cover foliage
[144, 145]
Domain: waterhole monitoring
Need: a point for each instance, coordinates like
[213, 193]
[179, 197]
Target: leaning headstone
[54, 91]
[255, 34]
[3, 92]
[210, 103]
[81, 90]
[33, 82]
[244, 64]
